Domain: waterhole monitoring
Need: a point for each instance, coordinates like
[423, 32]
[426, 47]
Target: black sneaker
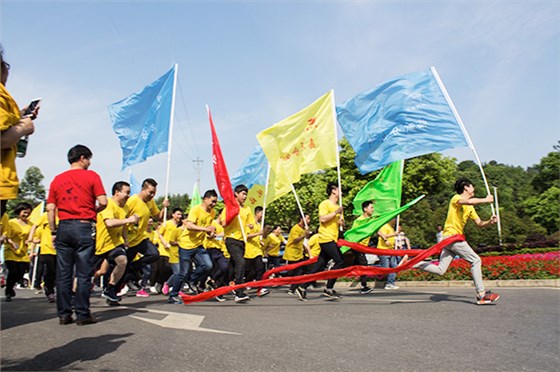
[110, 294]
[175, 300]
[366, 290]
[331, 294]
[242, 297]
[220, 298]
[302, 294]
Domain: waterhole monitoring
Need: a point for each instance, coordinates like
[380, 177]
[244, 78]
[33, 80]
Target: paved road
[438, 329]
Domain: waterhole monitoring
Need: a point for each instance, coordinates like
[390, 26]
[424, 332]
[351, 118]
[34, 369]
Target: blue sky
[257, 62]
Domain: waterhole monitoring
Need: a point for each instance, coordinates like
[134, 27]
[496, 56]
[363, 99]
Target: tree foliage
[528, 198]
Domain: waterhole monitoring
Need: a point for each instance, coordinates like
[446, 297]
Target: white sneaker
[391, 286]
[153, 290]
[123, 291]
[263, 292]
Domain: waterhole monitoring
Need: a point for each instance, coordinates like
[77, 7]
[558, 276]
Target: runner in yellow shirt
[330, 218]
[143, 205]
[461, 209]
[271, 247]
[111, 239]
[236, 234]
[16, 255]
[295, 246]
[169, 234]
[254, 266]
[47, 255]
[359, 257]
[195, 227]
[216, 248]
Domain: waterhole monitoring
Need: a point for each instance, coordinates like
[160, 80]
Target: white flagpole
[299, 206]
[399, 216]
[170, 140]
[265, 194]
[337, 153]
[463, 128]
[498, 215]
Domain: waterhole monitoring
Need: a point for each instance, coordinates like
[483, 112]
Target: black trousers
[329, 251]
[236, 249]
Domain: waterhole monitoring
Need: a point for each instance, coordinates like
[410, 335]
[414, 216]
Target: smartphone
[32, 106]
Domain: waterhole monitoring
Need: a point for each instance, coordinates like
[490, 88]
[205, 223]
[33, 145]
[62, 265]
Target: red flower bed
[524, 266]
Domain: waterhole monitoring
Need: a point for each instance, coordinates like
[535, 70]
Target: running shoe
[110, 294]
[366, 290]
[302, 294]
[142, 293]
[165, 289]
[175, 300]
[50, 298]
[331, 293]
[263, 292]
[123, 291]
[153, 290]
[220, 298]
[391, 286]
[241, 298]
[488, 298]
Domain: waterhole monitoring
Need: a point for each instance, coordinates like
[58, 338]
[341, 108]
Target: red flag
[221, 174]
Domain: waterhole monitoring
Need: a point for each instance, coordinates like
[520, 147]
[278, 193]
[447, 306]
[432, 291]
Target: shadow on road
[60, 358]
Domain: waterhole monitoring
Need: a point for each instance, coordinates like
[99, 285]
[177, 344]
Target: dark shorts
[110, 256]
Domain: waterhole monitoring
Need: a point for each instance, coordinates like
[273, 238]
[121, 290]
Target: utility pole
[197, 168]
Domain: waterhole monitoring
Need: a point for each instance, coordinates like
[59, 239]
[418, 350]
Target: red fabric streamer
[351, 271]
[221, 174]
[289, 267]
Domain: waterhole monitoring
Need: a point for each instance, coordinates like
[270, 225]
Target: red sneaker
[488, 298]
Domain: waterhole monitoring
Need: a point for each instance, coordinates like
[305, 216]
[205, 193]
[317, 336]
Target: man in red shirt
[73, 195]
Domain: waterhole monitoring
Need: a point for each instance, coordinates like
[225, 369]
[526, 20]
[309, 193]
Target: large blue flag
[142, 119]
[401, 118]
[253, 170]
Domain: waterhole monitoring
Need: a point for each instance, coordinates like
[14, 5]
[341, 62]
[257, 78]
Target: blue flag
[142, 119]
[135, 186]
[253, 170]
[402, 118]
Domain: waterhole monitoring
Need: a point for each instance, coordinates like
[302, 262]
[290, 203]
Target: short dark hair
[76, 153]
[21, 207]
[258, 209]
[330, 187]
[240, 188]
[176, 209]
[210, 194]
[366, 204]
[118, 186]
[302, 217]
[148, 181]
[460, 185]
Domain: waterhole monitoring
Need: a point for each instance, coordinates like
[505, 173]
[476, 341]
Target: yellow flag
[302, 143]
[255, 196]
[36, 213]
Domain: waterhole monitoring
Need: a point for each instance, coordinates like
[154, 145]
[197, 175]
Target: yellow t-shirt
[314, 246]
[9, 116]
[170, 233]
[253, 248]
[190, 239]
[294, 251]
[135, 205]
[328, 232]
[457, 216]
[233, 230]
[386, 230]
[19, 234]
[43, 233]
[108, 238]
[217, 241]
[272, 244]
[5, 224]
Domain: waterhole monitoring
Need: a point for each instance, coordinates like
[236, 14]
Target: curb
[550, 283]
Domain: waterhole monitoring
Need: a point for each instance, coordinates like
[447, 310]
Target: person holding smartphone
[14, 124]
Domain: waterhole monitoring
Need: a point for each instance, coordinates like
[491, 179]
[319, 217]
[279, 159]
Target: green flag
[362, 229]
[195, 197]
[385, 190]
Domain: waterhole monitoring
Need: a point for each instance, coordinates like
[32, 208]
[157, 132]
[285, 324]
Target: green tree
[31, 189]
[544, 209]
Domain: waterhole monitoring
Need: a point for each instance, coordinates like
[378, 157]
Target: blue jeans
[203, 265]
[75, 245]
[389, 261]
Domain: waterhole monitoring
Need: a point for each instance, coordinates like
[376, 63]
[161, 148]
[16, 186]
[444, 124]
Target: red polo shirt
[74, 193]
